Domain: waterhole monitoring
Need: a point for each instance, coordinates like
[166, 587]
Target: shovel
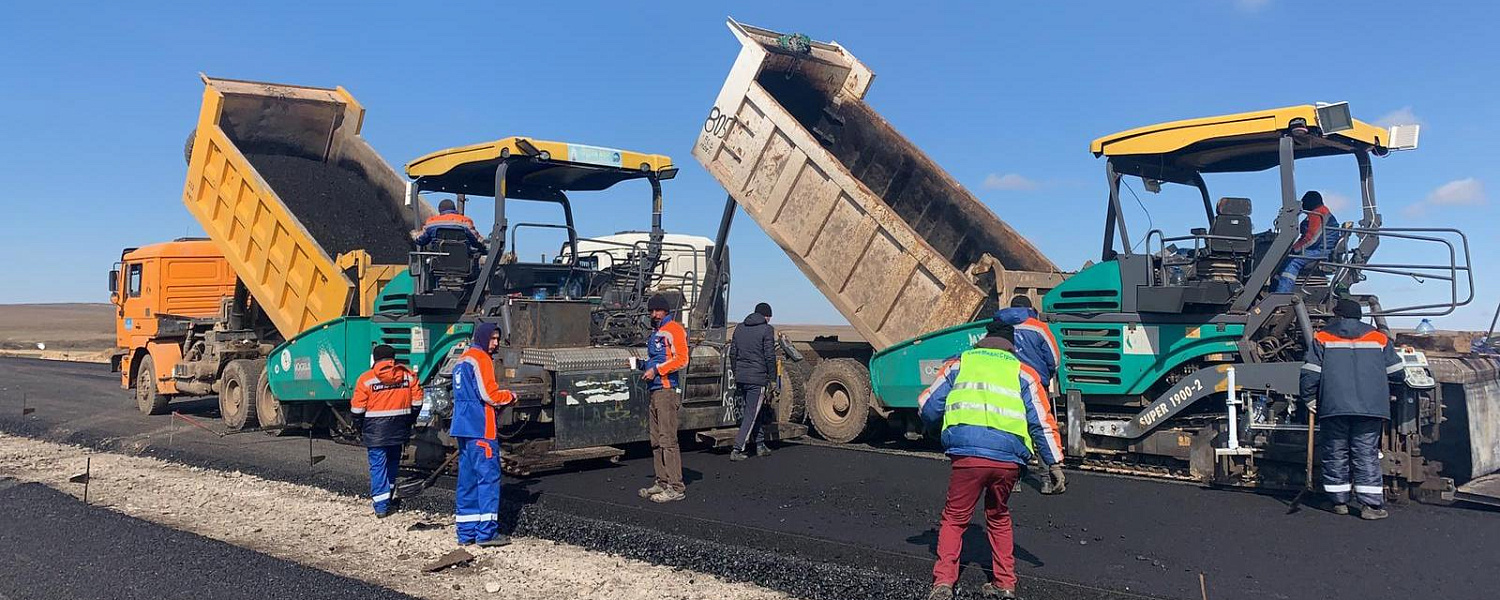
[412, 488]
[1312, 426]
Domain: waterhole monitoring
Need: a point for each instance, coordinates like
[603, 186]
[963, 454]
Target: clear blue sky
[99, 98]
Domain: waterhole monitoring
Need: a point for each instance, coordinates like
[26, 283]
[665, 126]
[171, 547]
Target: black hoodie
[752, 351]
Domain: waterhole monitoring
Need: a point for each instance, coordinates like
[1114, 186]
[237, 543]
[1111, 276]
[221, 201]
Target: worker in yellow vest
[995, 416]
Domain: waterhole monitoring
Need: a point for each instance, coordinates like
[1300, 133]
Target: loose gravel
[340, 208]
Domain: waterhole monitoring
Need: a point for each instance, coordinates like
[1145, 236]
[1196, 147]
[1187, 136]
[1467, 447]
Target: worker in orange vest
[385, 399]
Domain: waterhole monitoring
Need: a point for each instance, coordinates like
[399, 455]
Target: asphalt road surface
[53, 546]
[794, 520]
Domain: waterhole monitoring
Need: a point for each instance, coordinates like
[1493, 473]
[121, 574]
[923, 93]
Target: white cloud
[1251, 5]
[1336, 201]
[1008, 181]
[1400, 116]
[1459, 192]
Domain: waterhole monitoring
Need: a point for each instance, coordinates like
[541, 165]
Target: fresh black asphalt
[832, 523]
[53, 546]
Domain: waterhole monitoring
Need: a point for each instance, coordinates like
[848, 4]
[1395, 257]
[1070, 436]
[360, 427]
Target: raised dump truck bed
[890, 238]
[283, 184]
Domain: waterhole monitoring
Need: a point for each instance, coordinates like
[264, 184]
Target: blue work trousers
[384, 462]
[1351, 459]
[477, 513]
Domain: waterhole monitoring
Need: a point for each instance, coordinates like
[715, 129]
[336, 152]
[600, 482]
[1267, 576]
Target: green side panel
[1120, 358]
[321, 364]
[394, 298]
[317, 364]
[1095, 289]
[899, 373]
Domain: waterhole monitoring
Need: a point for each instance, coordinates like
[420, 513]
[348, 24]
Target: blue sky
[99, 98]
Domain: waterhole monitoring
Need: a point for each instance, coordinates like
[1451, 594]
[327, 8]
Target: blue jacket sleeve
[934, 400]
[1040, 422]
[1311, 378]
[425, 238]
[1395, 369]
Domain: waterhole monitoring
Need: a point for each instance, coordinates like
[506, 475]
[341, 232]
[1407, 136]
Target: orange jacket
[385, 397]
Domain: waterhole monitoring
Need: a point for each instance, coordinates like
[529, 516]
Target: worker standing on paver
[1035, 345]
[1315, 244]
[752, 352]
[448, 217]
[1346, 380]
[385, 398]
[667, 355]
[477, 400]
[994, 415]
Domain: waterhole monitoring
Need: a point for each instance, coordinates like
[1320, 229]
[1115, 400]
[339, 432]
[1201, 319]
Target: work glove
[1311, 404]
[359, 424]
[1053, 480]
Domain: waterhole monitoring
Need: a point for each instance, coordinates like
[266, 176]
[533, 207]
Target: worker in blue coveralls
[477, 400]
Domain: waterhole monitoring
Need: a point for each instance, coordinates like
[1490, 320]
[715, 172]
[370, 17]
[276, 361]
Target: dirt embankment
[339, 534]
[73, 331]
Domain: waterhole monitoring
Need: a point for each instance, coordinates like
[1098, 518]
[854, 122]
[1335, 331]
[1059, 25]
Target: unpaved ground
[339, 534]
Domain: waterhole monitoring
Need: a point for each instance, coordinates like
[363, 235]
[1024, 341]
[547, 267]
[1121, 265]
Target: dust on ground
[340, 534]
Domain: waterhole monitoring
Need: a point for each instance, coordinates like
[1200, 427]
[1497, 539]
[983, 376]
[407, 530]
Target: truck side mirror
[114, 281]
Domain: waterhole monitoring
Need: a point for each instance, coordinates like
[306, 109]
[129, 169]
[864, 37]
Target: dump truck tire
[268, 410]
[241, 381]
[839, 399]
[147, 397]
[791, 401]
[187, 147]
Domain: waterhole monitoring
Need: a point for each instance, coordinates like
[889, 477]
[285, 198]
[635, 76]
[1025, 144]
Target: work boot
[990, 591]
[1372, 513]
[656, 488]
[940, 592]
[499, 540]
[1341, 509]
[395, 505]
[668, 495]
[737, 456]
[381, 514]
[762, 450]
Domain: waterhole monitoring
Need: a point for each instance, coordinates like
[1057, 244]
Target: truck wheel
[791, 401]
[187, 147]
[839, 399]
[147, 398]
[268, 410]
[237, 394]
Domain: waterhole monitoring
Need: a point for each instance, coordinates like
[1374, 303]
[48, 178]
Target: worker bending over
[752, 352]
[1035, 345]
[1316, 243]
[1346, 380]
[667, 355]
[449, 218]
[995, 416]
[477, 400]
[385, 399]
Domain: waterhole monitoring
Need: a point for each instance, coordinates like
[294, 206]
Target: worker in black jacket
[1346, 380]
[752, 351]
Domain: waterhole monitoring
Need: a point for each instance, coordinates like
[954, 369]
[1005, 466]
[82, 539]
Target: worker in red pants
[995, 415]
[477, 400]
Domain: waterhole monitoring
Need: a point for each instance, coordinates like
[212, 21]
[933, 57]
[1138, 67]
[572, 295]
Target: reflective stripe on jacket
[989, 430]
[476, 396]
[1349, 370]
[386, 396]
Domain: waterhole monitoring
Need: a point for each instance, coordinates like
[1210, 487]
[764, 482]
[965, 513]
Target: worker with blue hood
[1035, 345]
[477, 400]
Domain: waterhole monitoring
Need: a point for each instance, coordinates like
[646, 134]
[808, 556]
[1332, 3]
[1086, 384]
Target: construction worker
[1346, 381]
[1317, 242]
[385, 398]
[448, 217]
[752, 352]
[667, 355]
[1035, 345]
[995, 416]
[477, 400]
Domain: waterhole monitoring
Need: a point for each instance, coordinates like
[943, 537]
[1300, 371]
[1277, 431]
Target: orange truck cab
[160, 291]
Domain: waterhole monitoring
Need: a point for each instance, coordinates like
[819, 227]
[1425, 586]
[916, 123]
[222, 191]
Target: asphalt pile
[340, 208]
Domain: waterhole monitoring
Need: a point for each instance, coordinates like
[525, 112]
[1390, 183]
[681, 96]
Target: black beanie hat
[764, 309]
[658, 302]
[1348, 309]
[447, 206]
[1312, 199]
[1020, 302]
[384, 352]
[1000, 328]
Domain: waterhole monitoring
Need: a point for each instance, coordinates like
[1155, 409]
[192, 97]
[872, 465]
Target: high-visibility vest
[987, 393]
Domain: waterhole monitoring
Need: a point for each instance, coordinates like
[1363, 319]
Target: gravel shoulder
[338, 534]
